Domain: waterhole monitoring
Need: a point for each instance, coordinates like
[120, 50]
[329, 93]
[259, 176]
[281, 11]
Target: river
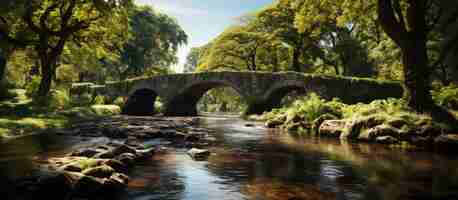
[255, 163]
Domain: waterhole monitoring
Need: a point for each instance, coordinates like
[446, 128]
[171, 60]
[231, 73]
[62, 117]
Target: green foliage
[307, 109]
[222, 99]
[312, 107]
[193, 59]
[106, 110]
[32, 86]
[59, 100]
[447, 96]
[84, 99]
[155, 38]
[119, 101]
[99, 100]
[388, 107]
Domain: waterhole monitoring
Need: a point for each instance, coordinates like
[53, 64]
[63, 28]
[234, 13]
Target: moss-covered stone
[317, 122]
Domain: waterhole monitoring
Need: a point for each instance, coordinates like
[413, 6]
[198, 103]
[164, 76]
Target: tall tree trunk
[296, 66]
[417, 74]
[47, 72]
[3, 63]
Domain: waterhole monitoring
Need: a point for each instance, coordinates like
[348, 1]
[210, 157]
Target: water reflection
[259, 164]
[254, 163]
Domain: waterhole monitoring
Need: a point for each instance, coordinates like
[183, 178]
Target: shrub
[447, 96]
[159, 106]
[32, 87]
[386, 106]
[99, 100]
[84, 99]
[119, 102]
[312, 107]
[59, 99]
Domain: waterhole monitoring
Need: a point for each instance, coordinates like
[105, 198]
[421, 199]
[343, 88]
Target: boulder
[116, 183]
[72, 167]
[103, 171]
[397, 123]
[273, 123]
[117, 165]
[354, 127]
[105, 155]
[123, 149]
[145, 153]
[332, 128]
[199, 154]
[127, 158]
[85, 153]
[318, 121]
[371, 134]
[386, 140]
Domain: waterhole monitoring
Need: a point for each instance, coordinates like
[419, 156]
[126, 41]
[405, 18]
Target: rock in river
[199, 154]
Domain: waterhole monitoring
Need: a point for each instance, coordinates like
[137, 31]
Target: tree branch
[388, 21]
[28, 17]
[46, 14]
[398, 13]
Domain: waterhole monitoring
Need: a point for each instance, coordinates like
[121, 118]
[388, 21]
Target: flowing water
[260, 164]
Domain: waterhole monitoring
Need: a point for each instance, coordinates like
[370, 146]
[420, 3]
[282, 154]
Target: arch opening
[221, 101]
[284, 96]
[186, 103]
[141, 103]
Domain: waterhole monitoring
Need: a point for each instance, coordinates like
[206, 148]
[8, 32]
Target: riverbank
[389, 122]
[21, 116]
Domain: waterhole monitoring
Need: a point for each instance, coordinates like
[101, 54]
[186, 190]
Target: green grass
[22, 116]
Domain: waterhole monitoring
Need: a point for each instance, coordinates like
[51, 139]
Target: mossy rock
[278, 121]
[317, 122]
[371, 134]
[106, 110]
[354, 127]
[103, 171]
[332, 128]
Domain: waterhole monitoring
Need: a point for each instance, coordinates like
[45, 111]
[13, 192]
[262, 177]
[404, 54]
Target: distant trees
[192, 59]
[270, 40]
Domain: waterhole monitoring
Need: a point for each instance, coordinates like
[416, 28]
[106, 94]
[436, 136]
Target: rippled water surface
[257, 163]
[260, 164]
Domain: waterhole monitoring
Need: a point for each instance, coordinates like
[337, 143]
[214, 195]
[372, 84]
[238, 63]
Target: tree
[278, 21]
[406, 22]
[192, 59]
[237, 48]
[50, 24]
[154, 42]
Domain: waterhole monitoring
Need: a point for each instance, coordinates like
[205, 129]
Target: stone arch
[140, 102]
[275, 94]
[185, 102]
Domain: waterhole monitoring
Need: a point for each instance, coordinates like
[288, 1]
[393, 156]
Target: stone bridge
[262, 91]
